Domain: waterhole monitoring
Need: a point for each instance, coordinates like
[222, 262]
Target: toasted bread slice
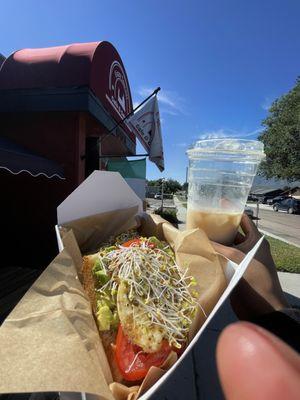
[109, 337]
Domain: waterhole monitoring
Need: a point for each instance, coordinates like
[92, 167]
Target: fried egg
[136, 323]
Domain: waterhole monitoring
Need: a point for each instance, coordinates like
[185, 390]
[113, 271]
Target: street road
[156, 203]
[286, 226]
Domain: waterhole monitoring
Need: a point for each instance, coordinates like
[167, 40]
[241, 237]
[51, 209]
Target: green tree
[281, 137]
[156, 182]
[171, 186]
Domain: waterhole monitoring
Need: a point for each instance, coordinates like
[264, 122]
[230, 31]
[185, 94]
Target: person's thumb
[254, 364]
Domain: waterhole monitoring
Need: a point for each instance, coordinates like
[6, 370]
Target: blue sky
[220, 63]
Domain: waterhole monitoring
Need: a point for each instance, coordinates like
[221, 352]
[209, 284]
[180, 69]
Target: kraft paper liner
[91, 231]
[50, 340]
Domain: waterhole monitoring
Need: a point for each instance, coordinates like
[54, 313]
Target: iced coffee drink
[221, 172]
[220, 226]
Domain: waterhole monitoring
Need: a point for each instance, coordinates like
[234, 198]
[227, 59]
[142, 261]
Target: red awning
[96, 65]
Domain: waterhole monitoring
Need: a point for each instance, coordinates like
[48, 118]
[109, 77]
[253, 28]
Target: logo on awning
[118, 90]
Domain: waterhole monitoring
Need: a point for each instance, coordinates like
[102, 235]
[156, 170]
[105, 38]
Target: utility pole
[186, 181]
[162, 194]
[257, 212]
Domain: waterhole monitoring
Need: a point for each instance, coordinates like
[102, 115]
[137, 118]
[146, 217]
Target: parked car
[275, 200]
[264, 199]
[157, 196]
[251, 197]
[290, 205]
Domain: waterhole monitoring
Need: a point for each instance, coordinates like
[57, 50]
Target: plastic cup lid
[228, 145]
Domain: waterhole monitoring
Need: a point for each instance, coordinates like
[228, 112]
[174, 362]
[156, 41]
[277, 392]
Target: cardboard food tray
[50, 341]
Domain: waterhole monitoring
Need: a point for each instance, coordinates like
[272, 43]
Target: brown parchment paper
[50, 340]
[91, 231]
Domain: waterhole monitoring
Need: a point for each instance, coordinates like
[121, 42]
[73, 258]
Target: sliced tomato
[135, 241]
[151, 245]
[133, 362]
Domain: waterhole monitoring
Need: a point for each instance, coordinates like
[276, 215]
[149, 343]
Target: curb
[278, 238]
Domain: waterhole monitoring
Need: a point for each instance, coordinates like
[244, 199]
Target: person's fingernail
[254, 364]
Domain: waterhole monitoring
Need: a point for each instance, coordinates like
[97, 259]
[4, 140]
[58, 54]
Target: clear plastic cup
[220, 175]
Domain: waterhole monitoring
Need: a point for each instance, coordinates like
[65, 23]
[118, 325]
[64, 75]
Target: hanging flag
[146, 126]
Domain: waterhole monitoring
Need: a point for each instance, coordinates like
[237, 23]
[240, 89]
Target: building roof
[265, 190]
[261, 182]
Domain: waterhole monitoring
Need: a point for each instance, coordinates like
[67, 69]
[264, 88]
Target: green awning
[129, 169]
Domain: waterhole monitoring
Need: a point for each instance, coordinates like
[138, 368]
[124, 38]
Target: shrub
[168, 215]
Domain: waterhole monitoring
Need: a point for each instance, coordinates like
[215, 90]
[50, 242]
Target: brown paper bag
[50, 340]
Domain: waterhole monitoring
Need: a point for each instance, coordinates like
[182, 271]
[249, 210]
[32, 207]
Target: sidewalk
[290, 284]
[181, 213]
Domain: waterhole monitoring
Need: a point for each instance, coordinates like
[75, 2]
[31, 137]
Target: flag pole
[122, 155]
[131, 112]
[123, 119]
